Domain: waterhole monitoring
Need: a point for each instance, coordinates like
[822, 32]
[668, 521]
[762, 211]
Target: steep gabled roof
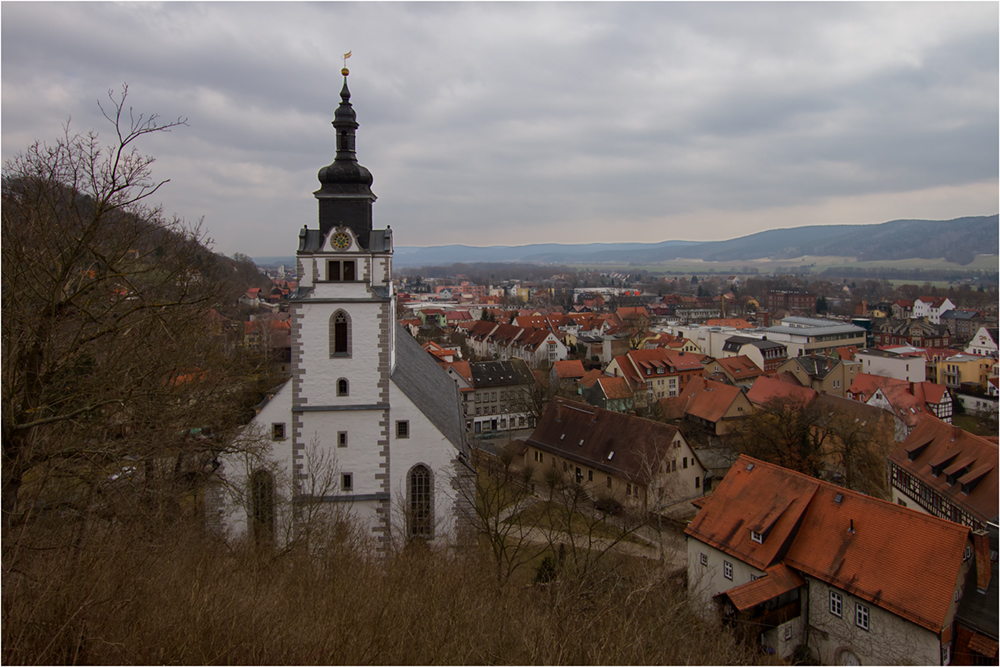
[750, 492]
[739, 367]
[618, 444]
[703, 399]
[615, 388]
[500, 373]
[766, 389]
[569, 369]
[938, 449]
[896, 558]
[899, 559]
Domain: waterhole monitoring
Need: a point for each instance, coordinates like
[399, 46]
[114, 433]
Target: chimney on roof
[851, 529]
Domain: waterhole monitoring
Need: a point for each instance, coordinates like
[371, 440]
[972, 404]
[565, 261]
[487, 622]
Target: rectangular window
[609, 482]
[704, 559]
[685, 462]
[346, 482]
[836, 604]
[590, 475]
[333, 270]
[861, 616]
[697, 482]
[402, 429]
[342, 439]
[349, 270]
[727, 570]
[756, 537]
[788, 632]
[278, 431]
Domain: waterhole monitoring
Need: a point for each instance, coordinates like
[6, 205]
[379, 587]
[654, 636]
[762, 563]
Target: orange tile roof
[766, 389]
[615, 388]
[735, 322]
[740, 367]
[776, 580]
[899, 559]
[704, 399]
[745, 495]
[571, 368]
[590, 377]
[932, 442]
[896, 558]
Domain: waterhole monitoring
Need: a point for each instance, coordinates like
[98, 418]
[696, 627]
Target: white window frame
[347, 482]
[704, 559]
[727, 570]
[862, 616]
[756, 537]
[836, 604]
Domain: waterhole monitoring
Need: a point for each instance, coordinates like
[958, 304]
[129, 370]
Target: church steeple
[345, 196]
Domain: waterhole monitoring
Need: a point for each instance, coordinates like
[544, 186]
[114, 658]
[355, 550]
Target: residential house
[915, 332]
[716, 406]
[738, 371]
[798, 562]
[643, 464]
[655, 374]
[540, 348]
[824, 374]
[943, 470]
[610, 393]
[250, 298]
[909, 401]
[962, 324]
[765, 354]
[905, 365]
[902, 309]
[932, 307]
[566, 374]
[791, 300]
[968, 371]
[984, 343]
[500, 399]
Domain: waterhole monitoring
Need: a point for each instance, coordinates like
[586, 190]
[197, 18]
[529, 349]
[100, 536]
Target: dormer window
[756, 537]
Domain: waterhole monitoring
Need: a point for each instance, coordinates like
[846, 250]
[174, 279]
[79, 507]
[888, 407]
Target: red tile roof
[615, 388]
[896, 558]
[776, 580]
[704, 399]
[935, 443]
[766, 389]
[571, 368]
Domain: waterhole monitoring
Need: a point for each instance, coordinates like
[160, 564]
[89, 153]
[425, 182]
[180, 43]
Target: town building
[810, 565]
[984, 343]
[906, 365]
[943, 470]
[645, 465]
[805, 335]
[821, 373]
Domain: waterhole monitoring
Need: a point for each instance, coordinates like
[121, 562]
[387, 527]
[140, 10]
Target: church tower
[363, 394]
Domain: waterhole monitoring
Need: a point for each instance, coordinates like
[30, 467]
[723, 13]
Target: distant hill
[958, 240]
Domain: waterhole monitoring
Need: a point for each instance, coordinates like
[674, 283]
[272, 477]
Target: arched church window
[420, 502]
[340, 334]
[343, 389]
[262, 506]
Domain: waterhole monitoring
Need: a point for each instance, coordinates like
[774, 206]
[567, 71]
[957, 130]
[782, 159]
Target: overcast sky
[516, 123]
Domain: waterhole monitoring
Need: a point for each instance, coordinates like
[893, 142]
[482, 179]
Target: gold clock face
[341, 241]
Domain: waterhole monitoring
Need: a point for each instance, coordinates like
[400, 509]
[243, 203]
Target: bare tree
[104, 306]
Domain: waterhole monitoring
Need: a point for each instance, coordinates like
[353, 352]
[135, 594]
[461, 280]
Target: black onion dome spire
[345, 168]
[345, 195]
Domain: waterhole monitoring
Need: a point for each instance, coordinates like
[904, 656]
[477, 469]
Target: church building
[368, 425]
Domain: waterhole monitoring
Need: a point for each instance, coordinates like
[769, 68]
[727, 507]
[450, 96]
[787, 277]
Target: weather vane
[345, 71]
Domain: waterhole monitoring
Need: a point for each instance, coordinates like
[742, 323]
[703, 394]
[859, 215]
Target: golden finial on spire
[345, 71]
